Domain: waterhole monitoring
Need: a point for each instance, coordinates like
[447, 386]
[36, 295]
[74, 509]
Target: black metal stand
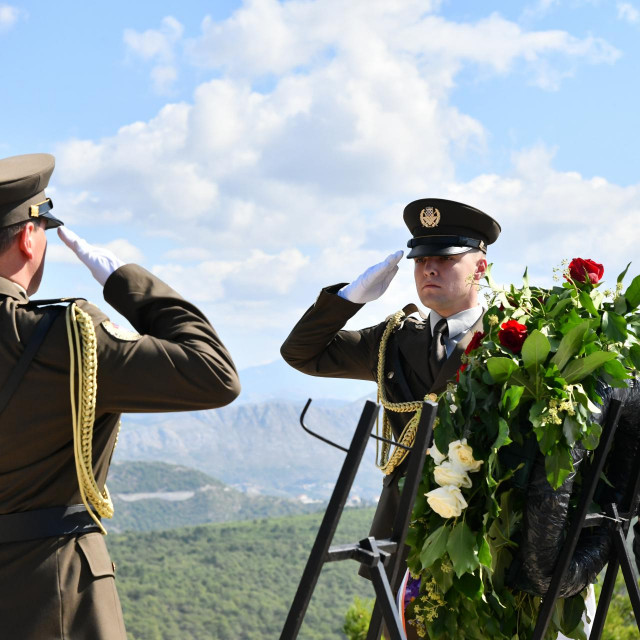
[381, 556]
[619, 554]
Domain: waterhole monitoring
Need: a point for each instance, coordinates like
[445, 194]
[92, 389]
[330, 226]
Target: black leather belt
[46, 523]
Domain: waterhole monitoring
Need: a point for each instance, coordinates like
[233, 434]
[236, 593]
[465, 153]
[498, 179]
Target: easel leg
[384, 599]
[329, 523]
[630, 578]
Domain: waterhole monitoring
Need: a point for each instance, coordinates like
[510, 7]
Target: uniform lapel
[414, 351]
[452, 363]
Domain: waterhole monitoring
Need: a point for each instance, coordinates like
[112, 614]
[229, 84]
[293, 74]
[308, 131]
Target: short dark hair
[8, 234]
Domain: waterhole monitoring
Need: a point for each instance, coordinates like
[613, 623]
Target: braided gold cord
[387, 461]
[83, 351]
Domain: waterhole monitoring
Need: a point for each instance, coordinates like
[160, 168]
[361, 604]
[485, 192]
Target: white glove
[101, 262]
[373, 282]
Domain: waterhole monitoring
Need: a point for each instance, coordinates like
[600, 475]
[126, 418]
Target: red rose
[476, 341]
[460, 370]
[585, 270]
[512, 335]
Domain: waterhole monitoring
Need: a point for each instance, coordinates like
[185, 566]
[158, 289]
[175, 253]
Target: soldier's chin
[428, 296]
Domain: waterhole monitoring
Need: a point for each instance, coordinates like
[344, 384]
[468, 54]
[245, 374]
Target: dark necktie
[438, 353]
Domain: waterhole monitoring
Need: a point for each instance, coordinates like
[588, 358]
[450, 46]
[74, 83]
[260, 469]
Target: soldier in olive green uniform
[422, 354]
[56, 577]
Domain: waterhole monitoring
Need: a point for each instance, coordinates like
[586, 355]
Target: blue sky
[253, 152]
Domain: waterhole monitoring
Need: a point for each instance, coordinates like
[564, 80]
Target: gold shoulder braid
[83, 353]
[387, 461]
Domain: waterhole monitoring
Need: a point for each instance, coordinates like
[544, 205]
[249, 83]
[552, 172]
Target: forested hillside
[233, 581]
[150, 496]
[236, 581]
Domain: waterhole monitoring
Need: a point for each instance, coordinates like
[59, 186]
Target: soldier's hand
[101, 262]
[373, 282]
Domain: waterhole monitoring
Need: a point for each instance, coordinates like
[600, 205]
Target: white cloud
[628, 12]
[262, 195]
[269, 37]
[157, 45]
[256, 276]
[124, 250]
[548, 215]
[8, 16]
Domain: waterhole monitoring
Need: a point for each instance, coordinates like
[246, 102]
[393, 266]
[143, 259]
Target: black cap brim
[425, 250]
[51, 221]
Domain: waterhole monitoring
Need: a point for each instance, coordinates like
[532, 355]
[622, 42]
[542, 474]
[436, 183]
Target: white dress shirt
[458, 324]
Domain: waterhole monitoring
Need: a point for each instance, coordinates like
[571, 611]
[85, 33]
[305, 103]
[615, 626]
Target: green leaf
[535, 412]
[576, 370]
[469, 585]
[445, 433]
[535, 349]
[488, 277]
[572, 612]
[620, 305]
[590, 441]
[616, 369]
[461, 547]
[434, 546]
[444, 579]
[614, 326]
[558, 466]
[634, 354]
[623, 274]
[571, 430]
[501, 368]
[632, 294]
[503, 432]
[570, 344]
[518, 378]
[511, 398]
[525, 278]
[484, 553]
[548, 437]
[580, 396]
[587, 302]
[560, 306]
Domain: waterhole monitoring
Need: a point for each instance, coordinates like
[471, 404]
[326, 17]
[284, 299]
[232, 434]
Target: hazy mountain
[258, 448]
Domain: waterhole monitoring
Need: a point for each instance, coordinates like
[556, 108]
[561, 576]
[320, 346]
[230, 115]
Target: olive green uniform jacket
[64, 587]
[319, 346]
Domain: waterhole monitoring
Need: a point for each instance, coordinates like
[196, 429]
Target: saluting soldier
[66, 374]
[410, 356]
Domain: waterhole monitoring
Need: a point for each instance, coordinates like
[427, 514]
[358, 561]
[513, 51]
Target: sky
[250, 153]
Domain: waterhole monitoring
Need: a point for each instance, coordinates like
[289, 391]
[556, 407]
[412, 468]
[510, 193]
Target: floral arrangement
[533, 370]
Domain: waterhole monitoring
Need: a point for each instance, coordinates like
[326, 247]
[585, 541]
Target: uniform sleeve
[319, 346]
[177, 363]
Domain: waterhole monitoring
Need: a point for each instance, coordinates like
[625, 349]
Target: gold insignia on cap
[120, 332]
[430, 217]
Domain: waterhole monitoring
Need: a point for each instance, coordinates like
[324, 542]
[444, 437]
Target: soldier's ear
[25, 240]
[481, 268]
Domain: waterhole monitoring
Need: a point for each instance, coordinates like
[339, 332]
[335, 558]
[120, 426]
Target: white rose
[435, 454]
[446, 501]
[448, 473]
[461, 455]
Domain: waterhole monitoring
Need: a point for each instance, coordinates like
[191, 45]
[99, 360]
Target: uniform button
[390, 375]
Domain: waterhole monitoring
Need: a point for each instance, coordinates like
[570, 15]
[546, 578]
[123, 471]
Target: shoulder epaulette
[48, 301]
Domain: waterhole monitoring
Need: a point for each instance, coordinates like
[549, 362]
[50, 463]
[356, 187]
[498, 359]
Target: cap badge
[430, 217]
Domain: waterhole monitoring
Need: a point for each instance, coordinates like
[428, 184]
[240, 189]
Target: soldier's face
[448, 284]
